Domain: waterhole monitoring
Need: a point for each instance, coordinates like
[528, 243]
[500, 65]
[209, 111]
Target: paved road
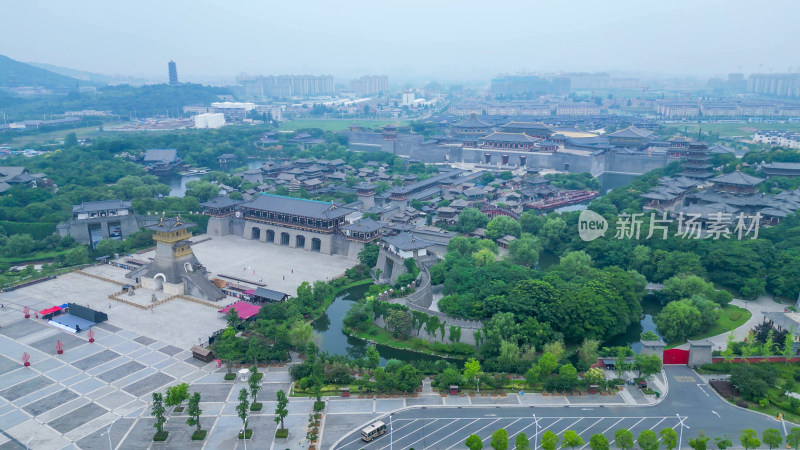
[689, 396]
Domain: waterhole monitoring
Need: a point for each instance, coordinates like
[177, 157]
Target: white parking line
[396, 440]
[454, 432]
[511, 437]
[424, 436]
[357, 439]
[478, 431]
[512, 423]
[568, 427]
[590, 426]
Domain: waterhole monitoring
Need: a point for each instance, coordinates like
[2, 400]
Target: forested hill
[123, 99]
[14, 73]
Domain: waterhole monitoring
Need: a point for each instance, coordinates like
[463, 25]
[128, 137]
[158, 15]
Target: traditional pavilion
[630, 137]
[532, 129]
[472, 127]
[737, 183]
[697, 165]
[508, 141]
[293, 222]
[175, 269]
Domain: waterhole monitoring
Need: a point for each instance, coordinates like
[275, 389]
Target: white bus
[372, 431]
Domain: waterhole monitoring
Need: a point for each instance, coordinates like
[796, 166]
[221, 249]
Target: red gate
[676, 356]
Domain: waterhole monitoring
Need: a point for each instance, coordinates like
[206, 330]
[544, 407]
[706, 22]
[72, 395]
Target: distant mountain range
[14, 73]
[92, 76]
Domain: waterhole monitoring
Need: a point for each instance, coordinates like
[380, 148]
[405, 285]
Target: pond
[330, 338]
[631, 336]
[177, 182]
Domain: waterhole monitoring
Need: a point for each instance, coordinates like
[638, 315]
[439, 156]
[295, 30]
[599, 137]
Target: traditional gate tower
[175, 269]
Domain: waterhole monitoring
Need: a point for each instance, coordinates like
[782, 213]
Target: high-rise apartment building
[370, 85]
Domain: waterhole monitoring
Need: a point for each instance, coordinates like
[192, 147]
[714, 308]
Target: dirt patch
[725, 388]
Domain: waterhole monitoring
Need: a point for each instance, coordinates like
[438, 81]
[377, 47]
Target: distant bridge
[493, 211]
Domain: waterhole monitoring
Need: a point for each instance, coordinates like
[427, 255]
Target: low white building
[209, 120]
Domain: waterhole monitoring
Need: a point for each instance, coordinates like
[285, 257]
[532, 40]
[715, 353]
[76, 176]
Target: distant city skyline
[418, 40]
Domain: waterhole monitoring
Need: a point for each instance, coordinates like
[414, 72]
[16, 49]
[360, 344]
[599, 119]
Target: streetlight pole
[535, 431]
[391, 433]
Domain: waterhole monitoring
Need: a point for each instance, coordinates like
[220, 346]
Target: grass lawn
[334, 124]
[58, 135]
[732, 129]
[730, 317]
[37, 256]
[380, 336]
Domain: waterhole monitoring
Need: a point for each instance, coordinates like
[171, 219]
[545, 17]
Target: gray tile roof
[160, 154]
[296, 206]
[167, 224]
[220, 202]
[101, 205]
[737, 178]
[407, 242]
[269, 294]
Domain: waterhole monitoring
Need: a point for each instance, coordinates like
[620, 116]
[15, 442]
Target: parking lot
[450, 432]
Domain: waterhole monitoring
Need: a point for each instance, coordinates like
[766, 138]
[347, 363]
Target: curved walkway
[757, 308]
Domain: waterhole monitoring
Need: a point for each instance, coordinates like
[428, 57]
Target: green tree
[158, 412]
[623, 439]
[647, 365]
[594, 376]
[669, 438]
[254, 382]
[373, 357]
[547, 364]
[300, 333]
[772, 438]
[699, 443]
[723, 442]
[598, 442]
[555, 348]
[525, 250]
[571, 439]
[549, 440]
[793, 438]
[471, 219]
[176, 395]
[568, 376]
[76, 255]
[368, 255]
[232, 318]
[194, 411]
[500, 439]
[280, 409]
[501, 226]
[621, 362]
[203, 191]
[70, 140]
[648, 440]
[242, 410]
[399, 323]
[225, 346]
[588, 351]
[474, 442]
[483, 257]
[522, 442]
[472, 368]
[749, 439]
[19, 244]
[678, 320]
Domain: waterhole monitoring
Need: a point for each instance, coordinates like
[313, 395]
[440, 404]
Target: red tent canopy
[47, 311]
[244, 309]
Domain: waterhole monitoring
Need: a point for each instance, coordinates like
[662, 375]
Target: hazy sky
[407, 40]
